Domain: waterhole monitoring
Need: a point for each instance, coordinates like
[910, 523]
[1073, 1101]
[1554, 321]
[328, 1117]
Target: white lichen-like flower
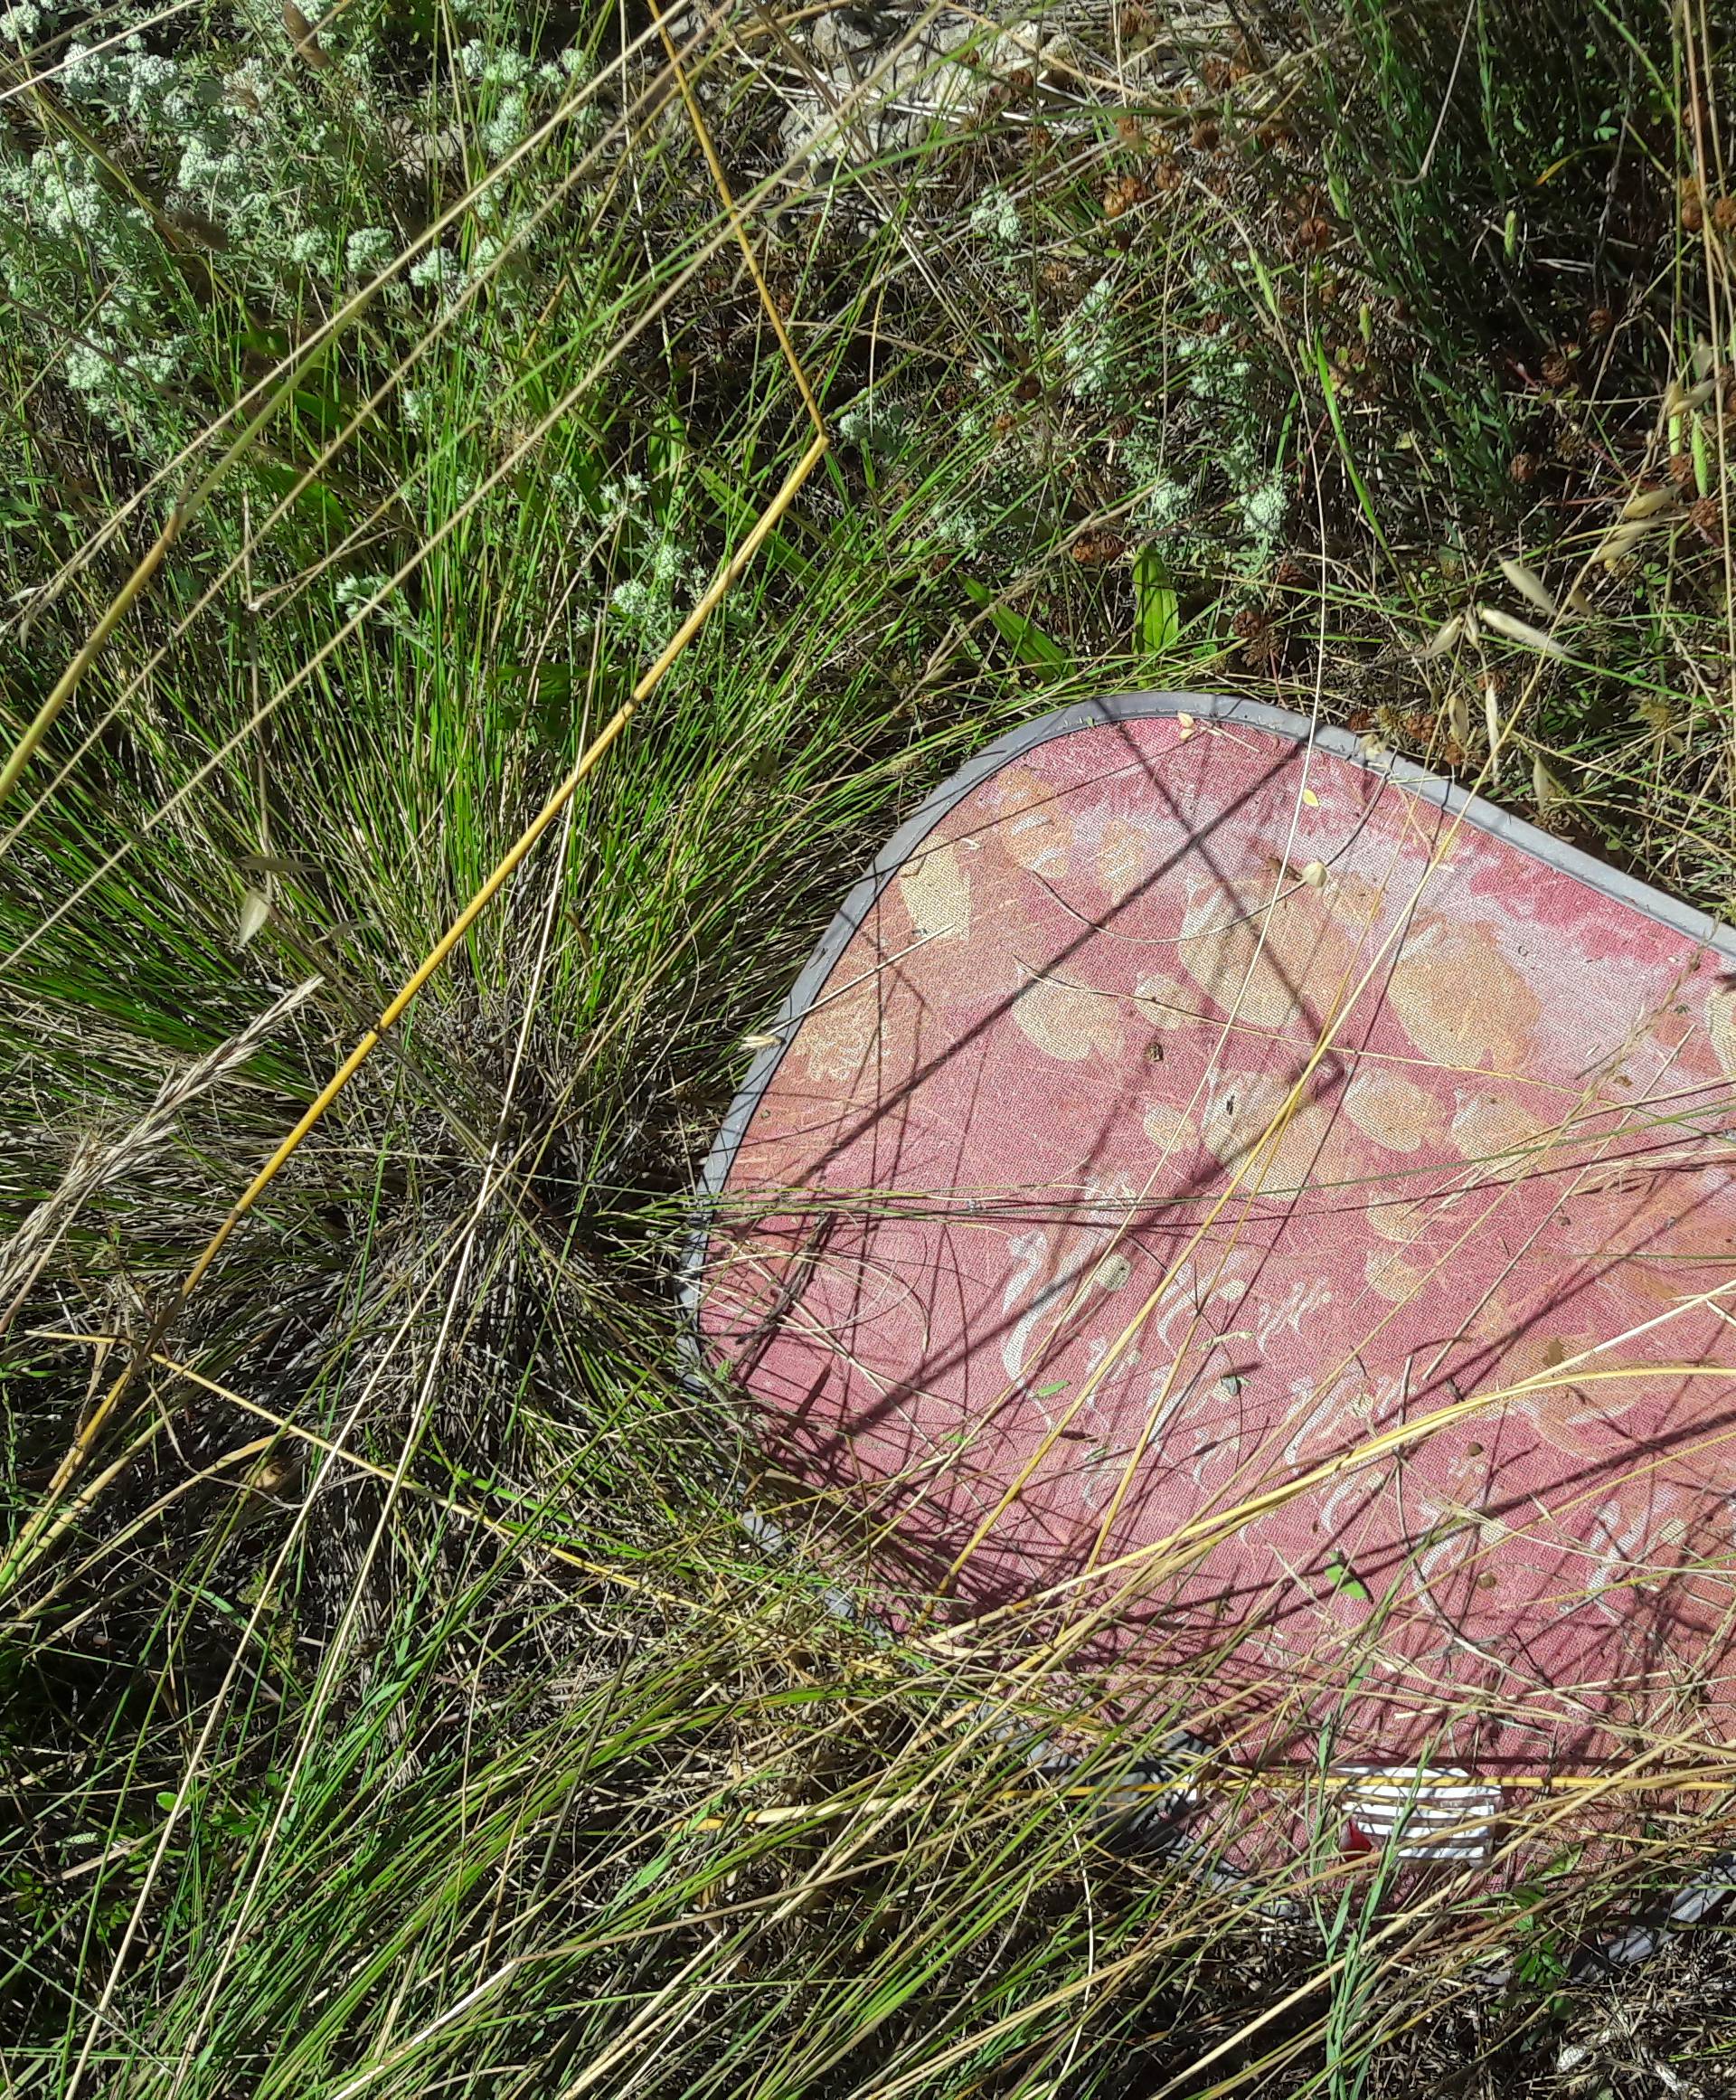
[1087, 342]
[509, 127]
[874, 424]
[995, 217]
[1263, 508]
[206, 174]
[20, 24]
[367, 250]
[438, 267]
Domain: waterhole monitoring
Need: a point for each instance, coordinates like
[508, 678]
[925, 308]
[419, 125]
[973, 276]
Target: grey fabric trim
[1338, 743]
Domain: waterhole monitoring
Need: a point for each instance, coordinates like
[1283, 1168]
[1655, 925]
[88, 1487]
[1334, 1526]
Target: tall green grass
[397, 1704]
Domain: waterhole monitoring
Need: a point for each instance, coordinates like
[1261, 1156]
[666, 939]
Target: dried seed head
[1600, 321]
[1523, 468]
[1646, 502]
[1549, 791]
[1444, 637]
[1313, 236]
[1724, 214]
[1681, 469]
[1207, 136]
[1520, 631]
[1558, 368]
[301, 34]
[256, 909]
[1708, 515]
[1529, 584]
[1694, 216]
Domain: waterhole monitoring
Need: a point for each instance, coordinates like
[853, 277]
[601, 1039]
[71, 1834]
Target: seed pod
[1529, 584]
[256, 909]
[301, 34]
[1520, 631]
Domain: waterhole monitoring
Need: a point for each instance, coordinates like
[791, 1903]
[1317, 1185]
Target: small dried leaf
[1549, 791]
[1521, 631]
[1617, 546]
[301, 31]
[1529, 584]
[1444, 637]
[256, 909]
[1310, 799]
[1315, 875]
[1647, 503]
[1492, 723]
[1679, 399]
[1459, 717]
[759, 1042]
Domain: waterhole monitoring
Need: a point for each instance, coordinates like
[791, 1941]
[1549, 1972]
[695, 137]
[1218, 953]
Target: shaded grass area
[393, 1701]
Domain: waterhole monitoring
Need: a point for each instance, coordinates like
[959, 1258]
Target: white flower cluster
[1088, 345]
[994, 218]
[877, 425]
[513, 78]
[59, 228]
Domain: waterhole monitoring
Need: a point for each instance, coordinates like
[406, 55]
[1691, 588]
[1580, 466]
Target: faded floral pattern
[1176, 1135]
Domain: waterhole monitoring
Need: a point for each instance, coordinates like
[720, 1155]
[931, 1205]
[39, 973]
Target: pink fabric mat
[1194, 1117]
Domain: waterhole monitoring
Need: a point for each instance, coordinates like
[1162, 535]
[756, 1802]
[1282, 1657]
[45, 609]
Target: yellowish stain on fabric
[1168, 1128]
[1398, 1115]
[1166, 1004]
[936, 890]
[1391, 1277]
[1268, 967]
[1462, 1002]
[1067, 1021]
[1237, 1131]
[1720, 1025]
[1122, 855]
[834, 1042]
[1496, 1131]
[1032, 826]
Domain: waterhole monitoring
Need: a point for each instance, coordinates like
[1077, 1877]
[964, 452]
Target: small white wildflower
[20, 24]
[1263, 508]
[353, 592]
[88, 370]
[995, 217]
[472, 58]
[617, 500]
[205, 174]
[1088, 341]
[305, 247]
[508, 126]
[366, 249]
[437, 267]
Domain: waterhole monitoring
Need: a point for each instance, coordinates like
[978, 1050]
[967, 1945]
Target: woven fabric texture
[1222, 1214]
